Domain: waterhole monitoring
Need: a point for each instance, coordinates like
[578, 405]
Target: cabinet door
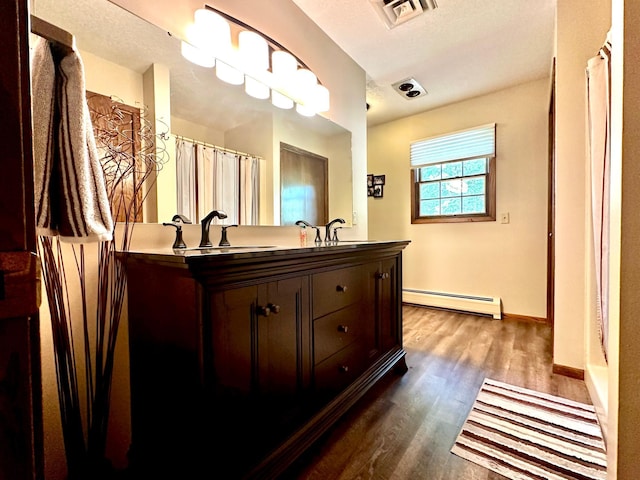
[387, 304]
[256, 339]
[282, 322]
[260, 366]
[383, 297]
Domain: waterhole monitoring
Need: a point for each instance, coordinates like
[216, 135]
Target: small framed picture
[377, 191]
[370, 180]
[378, 180]
[370, 191]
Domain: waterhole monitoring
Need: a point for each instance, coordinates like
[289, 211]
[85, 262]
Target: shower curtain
[186, 179]
[599, 105]
[210, 178]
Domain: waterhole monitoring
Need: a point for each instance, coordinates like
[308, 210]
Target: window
[453, 177]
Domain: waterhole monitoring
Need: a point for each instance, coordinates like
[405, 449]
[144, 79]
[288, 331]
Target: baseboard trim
[524, 318]
[571, 372]
[505, 316]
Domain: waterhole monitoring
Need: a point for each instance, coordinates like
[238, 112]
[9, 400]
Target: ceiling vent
[409, 88]
[395, 12]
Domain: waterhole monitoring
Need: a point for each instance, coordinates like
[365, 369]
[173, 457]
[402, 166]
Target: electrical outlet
[354, 218]
[504, 217]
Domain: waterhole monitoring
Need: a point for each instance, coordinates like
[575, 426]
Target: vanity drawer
[340, 369]
[336, 289]
[335, 331]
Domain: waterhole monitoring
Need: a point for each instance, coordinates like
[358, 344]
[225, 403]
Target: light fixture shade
[197, 55]
[228, 74]
[283, 67]
[321, 99]
[283, 64]
[281, 101]
[305, 88]
[256, 88]
[305, 110]
[216, 32]
[254, 55]
[254, 50]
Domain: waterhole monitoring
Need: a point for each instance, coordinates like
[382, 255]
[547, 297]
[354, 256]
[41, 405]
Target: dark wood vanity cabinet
[239, 362]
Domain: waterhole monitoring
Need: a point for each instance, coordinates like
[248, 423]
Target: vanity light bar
[288, 81]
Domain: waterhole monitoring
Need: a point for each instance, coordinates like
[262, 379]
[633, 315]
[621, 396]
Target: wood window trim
[490, 216]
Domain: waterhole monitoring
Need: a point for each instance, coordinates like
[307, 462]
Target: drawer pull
[343, 328]
[341, 288]
[382, 275]
[274, 308]
[343, 368]
[264, 311]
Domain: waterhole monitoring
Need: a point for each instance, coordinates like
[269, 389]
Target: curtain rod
[52, 33]
[216, 147]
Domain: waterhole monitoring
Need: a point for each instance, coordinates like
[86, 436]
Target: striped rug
[527, 435]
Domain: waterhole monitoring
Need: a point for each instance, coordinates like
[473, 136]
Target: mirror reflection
[240, 137]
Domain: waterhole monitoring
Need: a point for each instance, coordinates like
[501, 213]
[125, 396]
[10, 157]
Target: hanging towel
[70, 192]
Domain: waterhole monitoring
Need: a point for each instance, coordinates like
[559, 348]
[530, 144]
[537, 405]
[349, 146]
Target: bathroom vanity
[242, 357]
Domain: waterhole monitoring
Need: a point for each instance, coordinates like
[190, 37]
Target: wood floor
[405, 427]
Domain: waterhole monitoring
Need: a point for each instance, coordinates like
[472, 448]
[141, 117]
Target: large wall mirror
[137, 63]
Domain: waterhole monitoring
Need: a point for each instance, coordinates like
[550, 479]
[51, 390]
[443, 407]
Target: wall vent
[409, 88]
[396, 12]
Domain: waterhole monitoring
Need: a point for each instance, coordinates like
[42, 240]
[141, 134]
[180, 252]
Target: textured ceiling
[462, 49]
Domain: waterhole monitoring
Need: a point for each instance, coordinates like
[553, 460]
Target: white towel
[70, 193]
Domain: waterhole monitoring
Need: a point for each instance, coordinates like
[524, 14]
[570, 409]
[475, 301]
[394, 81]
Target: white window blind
[464, 144]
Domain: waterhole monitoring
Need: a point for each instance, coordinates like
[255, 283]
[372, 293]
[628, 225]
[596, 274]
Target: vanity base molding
[297, 444]
[240, 362]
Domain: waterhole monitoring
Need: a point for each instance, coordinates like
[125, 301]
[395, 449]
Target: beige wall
[581, 30]
[624, 355]
[483, 258]
[110, 79]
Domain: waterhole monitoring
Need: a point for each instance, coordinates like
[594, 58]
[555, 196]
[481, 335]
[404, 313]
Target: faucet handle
[178, 242]
[335, 234]
[318, 238]
[223, 238]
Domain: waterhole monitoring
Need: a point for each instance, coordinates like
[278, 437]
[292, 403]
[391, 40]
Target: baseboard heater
[454, 301]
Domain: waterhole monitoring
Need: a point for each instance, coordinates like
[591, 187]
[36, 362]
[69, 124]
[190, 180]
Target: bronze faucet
[206, 221]
[327, 233]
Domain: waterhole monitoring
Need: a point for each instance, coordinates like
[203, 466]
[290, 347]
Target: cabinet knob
[343, 328]
[343, 368]
[274, 308]
[341, 288]
[382, 275]
[264, 311]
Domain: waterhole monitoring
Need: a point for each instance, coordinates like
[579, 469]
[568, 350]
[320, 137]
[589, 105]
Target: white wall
[476, 258]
